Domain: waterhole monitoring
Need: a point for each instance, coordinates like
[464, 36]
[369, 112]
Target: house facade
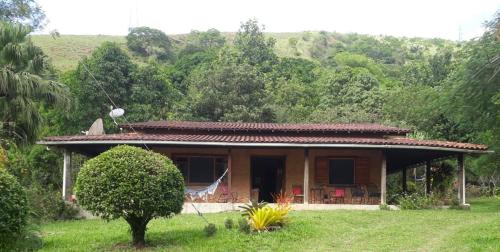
[317, 163]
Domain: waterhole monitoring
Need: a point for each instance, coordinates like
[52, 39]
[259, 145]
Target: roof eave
[286, 145]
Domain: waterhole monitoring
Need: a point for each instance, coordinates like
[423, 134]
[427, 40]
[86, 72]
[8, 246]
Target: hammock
[203, 193]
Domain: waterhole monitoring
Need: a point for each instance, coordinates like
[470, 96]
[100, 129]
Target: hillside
[65, 51]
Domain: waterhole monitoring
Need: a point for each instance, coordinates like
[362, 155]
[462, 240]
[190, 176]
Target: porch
[326, 164]
[336, 178]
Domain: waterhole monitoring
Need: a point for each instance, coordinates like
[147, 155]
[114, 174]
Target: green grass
[67, 50]
[423, 230]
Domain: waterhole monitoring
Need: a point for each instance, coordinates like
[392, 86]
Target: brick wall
[294, 172]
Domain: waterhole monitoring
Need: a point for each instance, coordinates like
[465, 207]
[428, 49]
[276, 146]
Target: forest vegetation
[53, 85]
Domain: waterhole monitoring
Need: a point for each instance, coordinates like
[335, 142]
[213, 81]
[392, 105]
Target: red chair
[337, 195]
[298, 194]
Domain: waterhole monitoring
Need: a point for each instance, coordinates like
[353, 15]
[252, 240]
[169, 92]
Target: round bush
[132, 183]
[13, 209]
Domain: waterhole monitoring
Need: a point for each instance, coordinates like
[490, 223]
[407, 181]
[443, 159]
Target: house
[320, 163]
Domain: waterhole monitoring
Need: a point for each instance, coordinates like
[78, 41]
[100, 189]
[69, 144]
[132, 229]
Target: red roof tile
[268, 127]
[284, 139]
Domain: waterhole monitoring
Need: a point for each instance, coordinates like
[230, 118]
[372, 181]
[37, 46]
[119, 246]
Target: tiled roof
[252, 138]
[267, 127]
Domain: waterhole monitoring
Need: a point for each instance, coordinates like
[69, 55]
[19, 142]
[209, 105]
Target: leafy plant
[267, 218]
[252, 206]
[210, 229]
[228, 223]
[282, 199]
[13, 210]
[132, 183]
[416, 201]
[243, 225]
[385, 207]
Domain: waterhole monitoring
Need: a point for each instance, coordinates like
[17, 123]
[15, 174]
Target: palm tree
[24, 87]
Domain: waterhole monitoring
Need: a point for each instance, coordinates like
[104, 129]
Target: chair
[358, 194]
[338, 195]
[373, 194]
[298, 194]
[225, 195]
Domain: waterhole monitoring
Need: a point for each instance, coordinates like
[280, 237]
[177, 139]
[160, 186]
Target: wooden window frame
[188, 156]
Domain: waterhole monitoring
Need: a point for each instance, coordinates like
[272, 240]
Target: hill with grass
[65, 51]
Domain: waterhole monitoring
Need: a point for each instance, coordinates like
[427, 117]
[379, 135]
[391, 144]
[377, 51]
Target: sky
[449, 19]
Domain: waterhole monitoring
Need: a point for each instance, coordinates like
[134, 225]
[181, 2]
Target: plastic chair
[298, 194]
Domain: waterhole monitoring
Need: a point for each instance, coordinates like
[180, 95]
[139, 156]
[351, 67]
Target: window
[341, 171]
[200, 169]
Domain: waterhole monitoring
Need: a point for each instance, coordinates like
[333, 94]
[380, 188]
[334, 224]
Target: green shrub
[269, 218]
[13, 210]
[416, 201]
[132, 183]
[48, 205]
[252, 207]
[228, 223]
[243, 225]
[210, 229]
[385, 207]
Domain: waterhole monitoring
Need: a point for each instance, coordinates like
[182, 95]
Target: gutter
[288, 145]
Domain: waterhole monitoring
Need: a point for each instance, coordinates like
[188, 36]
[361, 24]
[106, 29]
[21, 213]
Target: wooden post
[427, 177]
[383, 179]
[405, 185]
[461, 178]
[229, 171]
[306, 176]
[66, 190]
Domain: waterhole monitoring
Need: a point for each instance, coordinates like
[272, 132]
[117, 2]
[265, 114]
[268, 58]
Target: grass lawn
[344, 230]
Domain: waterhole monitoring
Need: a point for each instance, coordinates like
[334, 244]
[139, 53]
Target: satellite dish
[97, 128]
[117, 112]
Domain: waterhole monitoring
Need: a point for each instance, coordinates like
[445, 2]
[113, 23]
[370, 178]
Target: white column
[66, 190]
[306, 176]
[383, 174]
[461, 178]
[229, 176]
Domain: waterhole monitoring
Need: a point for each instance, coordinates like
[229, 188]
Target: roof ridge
[261, 126]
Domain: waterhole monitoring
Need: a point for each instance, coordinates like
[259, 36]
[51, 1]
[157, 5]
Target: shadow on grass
[163, 240]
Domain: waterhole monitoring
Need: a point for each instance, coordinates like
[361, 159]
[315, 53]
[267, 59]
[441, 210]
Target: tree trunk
[138, 226]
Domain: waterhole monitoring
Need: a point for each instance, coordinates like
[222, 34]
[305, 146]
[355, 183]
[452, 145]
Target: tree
[201, 41]
[147, 42]
[132, 183]
[13, 210]
[109, 69]
[152, 94]
[348, 95]
[226, 91]
[253, 47]
[23, 84]
[25, 12]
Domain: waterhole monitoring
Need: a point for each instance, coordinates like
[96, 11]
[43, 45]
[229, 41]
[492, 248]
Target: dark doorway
[268, 175]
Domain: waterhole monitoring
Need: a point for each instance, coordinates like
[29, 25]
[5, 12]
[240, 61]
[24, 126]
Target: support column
[66, 190]
[403, 179]
[306, 176]
[427, 177]
[461, 178]
[229, 173]
[383, 179]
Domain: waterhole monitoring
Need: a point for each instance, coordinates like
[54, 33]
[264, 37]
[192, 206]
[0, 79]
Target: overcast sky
[417, 18]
